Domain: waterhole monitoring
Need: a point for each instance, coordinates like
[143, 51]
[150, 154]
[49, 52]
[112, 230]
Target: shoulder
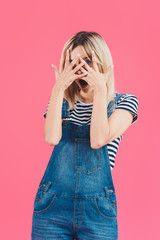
[127, 101]
[125, 97]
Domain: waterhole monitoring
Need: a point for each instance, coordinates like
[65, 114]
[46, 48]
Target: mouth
[83, 83]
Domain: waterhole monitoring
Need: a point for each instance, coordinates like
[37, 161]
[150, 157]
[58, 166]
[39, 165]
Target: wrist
[100, 95]
[100, 90]
[57, 90]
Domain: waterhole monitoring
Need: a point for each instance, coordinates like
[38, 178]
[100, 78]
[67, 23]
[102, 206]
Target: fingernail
[93, 51]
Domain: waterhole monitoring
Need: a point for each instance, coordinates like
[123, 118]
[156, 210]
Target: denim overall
[76, 197]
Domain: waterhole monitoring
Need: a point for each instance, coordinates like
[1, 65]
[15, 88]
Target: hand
[94, 78]
[65, 78]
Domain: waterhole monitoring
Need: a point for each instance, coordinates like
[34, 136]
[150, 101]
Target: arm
[53, 121]
[104, 129]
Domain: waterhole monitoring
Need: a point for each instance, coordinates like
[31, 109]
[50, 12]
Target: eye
[88, 62]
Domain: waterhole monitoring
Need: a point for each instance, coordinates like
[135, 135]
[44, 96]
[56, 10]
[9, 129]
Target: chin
[87, 90]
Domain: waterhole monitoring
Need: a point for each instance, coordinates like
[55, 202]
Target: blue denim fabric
[76, 198]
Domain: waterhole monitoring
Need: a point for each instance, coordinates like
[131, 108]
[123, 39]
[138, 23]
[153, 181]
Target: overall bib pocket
[44, 200]
[106, 207]
[87, 159]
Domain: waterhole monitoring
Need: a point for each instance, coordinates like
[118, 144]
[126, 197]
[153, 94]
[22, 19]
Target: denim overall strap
[65, 107]
[112, 104]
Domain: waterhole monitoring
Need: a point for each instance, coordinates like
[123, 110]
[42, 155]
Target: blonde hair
[90, 41]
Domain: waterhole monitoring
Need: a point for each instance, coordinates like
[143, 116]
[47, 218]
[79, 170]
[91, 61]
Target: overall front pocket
[87, 159]
[106, 207]
[43, 201]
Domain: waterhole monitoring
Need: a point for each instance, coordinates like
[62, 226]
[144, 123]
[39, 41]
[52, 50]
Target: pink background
[33, 34]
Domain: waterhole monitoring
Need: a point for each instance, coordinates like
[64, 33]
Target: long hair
[90, 41]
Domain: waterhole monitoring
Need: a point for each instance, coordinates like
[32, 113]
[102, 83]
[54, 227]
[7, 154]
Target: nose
[79, 71]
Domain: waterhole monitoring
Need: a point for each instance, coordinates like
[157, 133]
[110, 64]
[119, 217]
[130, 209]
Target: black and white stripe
[82, 116]
[130, 103]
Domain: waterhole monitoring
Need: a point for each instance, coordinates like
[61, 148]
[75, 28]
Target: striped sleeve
[130, 103]
[45, 113]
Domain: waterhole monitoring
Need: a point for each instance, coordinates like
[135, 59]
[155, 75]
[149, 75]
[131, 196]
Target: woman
[85, 121]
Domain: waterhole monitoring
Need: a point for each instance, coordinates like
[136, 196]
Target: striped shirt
[81, 115]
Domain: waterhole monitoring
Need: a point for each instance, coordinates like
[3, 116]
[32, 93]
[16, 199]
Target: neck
[86, 97]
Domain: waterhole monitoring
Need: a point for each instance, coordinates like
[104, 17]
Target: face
[80, 50]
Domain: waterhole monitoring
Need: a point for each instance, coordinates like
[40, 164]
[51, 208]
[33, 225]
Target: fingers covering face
[67, 60]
